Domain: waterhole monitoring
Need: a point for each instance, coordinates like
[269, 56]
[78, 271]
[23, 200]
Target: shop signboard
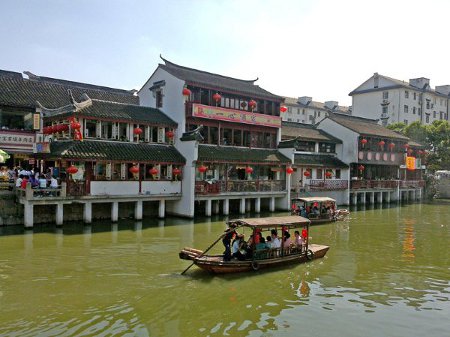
[236, 116]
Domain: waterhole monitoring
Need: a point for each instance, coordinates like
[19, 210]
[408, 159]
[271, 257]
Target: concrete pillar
[87, 212]
[59, 213]
[138, 210]
[355, 198]
[162, 208]
[28, 215]
[272, 204]
[208, 207]
[216, 207]
[388, 197]
[419, 197]
[242, 206]
[114, 211]
[363, 201]
[257, 205]
[248, 205]
[380, 197]
[414, 194]
[372, 197]
[226, 206]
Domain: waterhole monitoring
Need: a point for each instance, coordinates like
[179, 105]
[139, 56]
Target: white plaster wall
[173, 100]
[349, 153]
[185, 206]
[114, 187]
[161, 187]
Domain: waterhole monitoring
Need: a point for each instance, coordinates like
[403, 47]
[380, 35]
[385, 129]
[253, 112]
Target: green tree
[417, 132]
[397, 127]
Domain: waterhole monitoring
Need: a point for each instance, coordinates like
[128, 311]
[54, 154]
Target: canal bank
[386, 265]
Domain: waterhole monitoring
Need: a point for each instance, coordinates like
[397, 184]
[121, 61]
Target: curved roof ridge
[171, 64]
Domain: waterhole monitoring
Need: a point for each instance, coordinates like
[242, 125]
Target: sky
[323, 49]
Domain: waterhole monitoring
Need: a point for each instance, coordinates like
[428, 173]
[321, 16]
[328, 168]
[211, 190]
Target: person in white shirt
[53, 182]
[42, 181]
[19, 181]
[276, 243]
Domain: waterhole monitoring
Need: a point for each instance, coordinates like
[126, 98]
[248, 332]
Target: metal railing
[232, 186]
[327, 185]
[30, 193]
[377, 184]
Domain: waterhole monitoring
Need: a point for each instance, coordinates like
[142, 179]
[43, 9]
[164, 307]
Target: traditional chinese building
[318, 169]
[232, 129]
[19, 119]
[378, 159]
[107, 152]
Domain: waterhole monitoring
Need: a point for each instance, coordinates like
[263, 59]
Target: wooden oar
[220, 237]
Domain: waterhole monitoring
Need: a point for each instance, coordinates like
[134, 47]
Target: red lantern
[64, 127]
[217, 97]
[154, 171]
[283, 108]
[137, 131]
[381, 143]
[328, 174]
[363, 141]
[391, 145]
[306, 173]
[361, 168]
[176, 172]
[54, 128]
[186, 92]
[134, 169]
[72, 169]
[75, 126]
[47, 130]
[289, 170]
[249, 170]
[202, 169]
[252, 104]
[170, 134]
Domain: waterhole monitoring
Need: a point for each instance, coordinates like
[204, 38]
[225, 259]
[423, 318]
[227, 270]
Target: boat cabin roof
[271, 222]
[315, 199]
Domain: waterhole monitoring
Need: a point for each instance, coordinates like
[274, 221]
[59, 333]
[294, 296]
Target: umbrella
[3, 156]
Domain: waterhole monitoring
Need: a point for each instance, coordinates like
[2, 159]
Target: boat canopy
[271, 222]
[315, 199]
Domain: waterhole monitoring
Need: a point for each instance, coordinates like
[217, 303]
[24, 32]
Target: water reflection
[385, 265]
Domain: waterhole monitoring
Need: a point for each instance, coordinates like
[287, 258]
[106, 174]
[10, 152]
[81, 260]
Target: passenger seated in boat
[303, 212]
[287, 240]
[269, 242]
[276, 243]
[239, 247]
[298, 241]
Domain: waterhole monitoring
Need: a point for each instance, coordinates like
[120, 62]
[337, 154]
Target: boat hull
[216, 265]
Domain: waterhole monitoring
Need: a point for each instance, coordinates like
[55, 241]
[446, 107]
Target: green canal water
[387, 273]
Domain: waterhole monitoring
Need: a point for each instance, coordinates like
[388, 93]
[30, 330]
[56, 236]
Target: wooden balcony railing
[327, 185]
[412, 183]
[231, 186]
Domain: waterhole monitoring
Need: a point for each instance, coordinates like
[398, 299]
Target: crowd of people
[20, 177]
[236, 247]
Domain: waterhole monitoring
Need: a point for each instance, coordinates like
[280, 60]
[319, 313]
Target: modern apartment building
[393, 101]
[306, 111]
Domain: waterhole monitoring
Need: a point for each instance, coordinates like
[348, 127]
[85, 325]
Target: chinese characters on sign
[411, 163]
[205, 111]
[16, 141]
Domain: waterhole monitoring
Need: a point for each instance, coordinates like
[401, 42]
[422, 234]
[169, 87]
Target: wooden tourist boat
[326, 210]
[260, 258]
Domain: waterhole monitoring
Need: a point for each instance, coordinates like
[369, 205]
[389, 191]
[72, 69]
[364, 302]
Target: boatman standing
[228, 235]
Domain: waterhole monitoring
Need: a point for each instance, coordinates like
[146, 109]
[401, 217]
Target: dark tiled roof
[291, 130]
[115, 111]
[365, 126]
[218, 82]
[321, 160]
[21, 92]
[115, 151]
[229, 154]
[315, 105]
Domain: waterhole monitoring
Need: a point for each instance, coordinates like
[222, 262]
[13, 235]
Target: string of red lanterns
[283, 108]
[153, 171]
[170, 134]
[306, 173]
[134, 169]
[289, 170]
[186, 92]
[72, 169]
[176, 171]
[216, 97]
[364, 141]
[137, 131]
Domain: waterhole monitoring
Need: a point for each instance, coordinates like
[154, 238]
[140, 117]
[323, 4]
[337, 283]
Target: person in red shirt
[23, 185]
